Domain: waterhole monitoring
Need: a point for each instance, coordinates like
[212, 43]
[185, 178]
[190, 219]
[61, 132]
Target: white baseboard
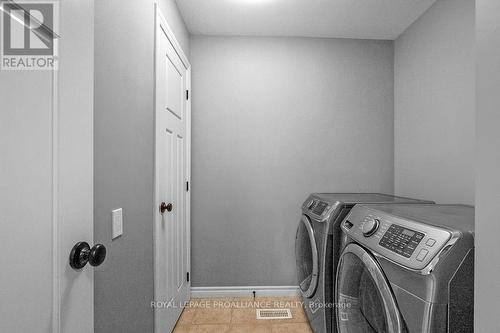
[213, 292]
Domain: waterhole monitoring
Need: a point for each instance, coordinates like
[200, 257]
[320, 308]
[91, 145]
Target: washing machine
[406, 268]
[317, 249]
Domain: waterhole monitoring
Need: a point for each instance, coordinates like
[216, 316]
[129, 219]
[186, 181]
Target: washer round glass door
[365, 302]
[306, 255]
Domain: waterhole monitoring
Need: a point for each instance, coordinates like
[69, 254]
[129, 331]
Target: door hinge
[187, 186]
[187, 276]
[187, 94]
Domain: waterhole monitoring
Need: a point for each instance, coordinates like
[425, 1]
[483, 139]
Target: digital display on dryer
[408, 233]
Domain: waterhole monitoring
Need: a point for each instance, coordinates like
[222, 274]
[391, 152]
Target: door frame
[161, 24]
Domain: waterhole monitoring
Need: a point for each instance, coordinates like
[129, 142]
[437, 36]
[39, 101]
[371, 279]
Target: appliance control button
[369, 227]
[430, 242]
[422, 254]
[348, 224]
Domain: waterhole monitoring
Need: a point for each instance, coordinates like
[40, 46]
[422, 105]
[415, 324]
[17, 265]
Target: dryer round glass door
[306, 255]
[365, 302]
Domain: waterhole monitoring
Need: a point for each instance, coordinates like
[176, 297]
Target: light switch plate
[117, 222]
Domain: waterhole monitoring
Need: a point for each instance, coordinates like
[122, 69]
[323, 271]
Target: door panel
[171, 230]
[174, 90]
[26, 177]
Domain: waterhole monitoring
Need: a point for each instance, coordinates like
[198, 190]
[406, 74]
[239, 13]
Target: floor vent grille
[274, 314]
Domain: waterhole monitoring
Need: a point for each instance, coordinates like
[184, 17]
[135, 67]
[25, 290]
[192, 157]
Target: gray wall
[487, 166]
[273, 120]
[123, 166]
[434, 105]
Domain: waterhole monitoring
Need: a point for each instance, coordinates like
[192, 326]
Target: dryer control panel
[318, 209]
[409, 243]
[401, 240]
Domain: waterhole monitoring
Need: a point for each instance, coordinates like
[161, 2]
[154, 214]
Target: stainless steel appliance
[406, 268]
[317, 249]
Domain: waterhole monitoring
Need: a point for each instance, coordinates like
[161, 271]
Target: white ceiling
[363, 19]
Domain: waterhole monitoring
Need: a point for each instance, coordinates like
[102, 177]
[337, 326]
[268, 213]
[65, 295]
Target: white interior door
[171, 229]
[46, 203]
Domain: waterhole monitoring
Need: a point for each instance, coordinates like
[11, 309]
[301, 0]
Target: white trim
[242, 291]
[56, 299]
[188, 175]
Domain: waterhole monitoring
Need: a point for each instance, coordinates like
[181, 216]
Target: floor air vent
[274, 314]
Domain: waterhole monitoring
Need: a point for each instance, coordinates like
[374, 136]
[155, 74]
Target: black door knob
[166, 207]
[97, 255]
[81, 254]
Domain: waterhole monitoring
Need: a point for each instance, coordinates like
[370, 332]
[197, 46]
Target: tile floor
[238, 315]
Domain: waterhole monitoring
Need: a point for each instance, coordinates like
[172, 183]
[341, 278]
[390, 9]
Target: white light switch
[117, 222]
